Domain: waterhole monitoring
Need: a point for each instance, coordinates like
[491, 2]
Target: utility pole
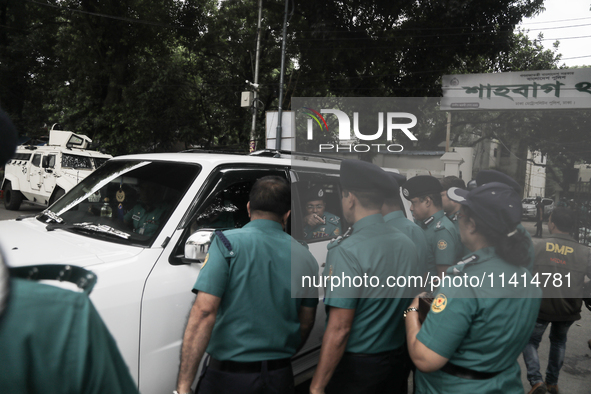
[252, 144]
[280, 107]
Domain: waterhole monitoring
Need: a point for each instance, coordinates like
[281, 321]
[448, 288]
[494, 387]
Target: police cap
[421, 185]
[357, 175]
[7, 138]
[315, 193]
[497, 204]
[486, 176]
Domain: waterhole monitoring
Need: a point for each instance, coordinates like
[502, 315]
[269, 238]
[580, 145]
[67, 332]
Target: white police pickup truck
[42, 174]
[147, 267]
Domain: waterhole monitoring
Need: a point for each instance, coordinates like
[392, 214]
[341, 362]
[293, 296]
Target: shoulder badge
[334, 242]
[441, 245]
[205, 261]
[439, 303]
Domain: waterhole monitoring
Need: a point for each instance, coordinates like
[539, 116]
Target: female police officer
[476, 328]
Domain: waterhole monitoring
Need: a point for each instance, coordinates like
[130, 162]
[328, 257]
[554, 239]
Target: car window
[51, 161]
[221, 205]
[76, 161]
[36, 160]
[224, 206]
[130, 200]
[318, 209]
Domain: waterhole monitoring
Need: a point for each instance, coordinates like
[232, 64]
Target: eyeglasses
[312, 206]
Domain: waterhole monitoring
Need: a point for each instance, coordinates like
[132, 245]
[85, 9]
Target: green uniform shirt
[480, 328]
[454, 218]
[145, 222]
[331, 228]
[417, 236]
[53, 340]
[257, 318]
[374, 249]
[443, 238]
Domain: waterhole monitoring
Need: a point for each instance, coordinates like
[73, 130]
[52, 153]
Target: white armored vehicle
[42, 174]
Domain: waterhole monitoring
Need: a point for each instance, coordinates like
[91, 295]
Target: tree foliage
[157, 75]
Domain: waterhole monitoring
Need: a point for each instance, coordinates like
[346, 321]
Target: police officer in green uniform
[486, 176]
[146, 216]
[451, 208]
[318, 223]
[473, 334]
[394, 216]
[247, 314]
[53, 340]
[362, 345]
[443, 239]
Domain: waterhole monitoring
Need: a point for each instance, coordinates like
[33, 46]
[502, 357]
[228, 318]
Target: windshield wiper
[98, 228]
[102, 228]
[52, 216]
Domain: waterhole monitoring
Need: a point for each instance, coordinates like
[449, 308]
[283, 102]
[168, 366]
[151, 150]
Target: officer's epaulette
[427, 221]
[225, 242]
[336, 241]
[459, 267]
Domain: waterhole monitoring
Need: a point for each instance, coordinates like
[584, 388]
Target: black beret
[8, 138]
[357, 175]
[497, 204]
[487, 176]
[420, 186]
[315, 193]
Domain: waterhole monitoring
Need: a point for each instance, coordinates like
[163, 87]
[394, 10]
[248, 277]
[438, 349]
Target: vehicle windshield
[125, 201]
[529, 201]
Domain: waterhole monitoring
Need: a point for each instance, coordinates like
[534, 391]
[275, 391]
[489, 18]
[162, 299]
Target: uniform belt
[248, 367]
[373, 354]
[467, 373]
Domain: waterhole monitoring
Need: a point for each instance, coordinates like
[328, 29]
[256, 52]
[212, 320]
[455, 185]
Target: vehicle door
[325, 182]
[48, 169]
[167, 299]
[35, 177]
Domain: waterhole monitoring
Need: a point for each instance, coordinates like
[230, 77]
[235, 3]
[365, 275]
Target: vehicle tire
[12, 198]
[57, 194]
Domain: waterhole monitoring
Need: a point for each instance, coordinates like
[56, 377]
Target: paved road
[26, 209]
[575, 376]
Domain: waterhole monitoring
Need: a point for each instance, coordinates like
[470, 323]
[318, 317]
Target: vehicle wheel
[56, 195]
[12, 198]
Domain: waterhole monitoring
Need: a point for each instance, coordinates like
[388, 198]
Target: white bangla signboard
[550, 89]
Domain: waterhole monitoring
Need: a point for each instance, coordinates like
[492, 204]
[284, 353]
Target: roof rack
[304, 155]
[229, 150]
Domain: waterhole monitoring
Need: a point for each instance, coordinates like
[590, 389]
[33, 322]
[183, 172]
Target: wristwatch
[411, 309]
[176, 392]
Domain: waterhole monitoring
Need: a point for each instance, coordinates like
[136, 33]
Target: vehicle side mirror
[197, 246]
